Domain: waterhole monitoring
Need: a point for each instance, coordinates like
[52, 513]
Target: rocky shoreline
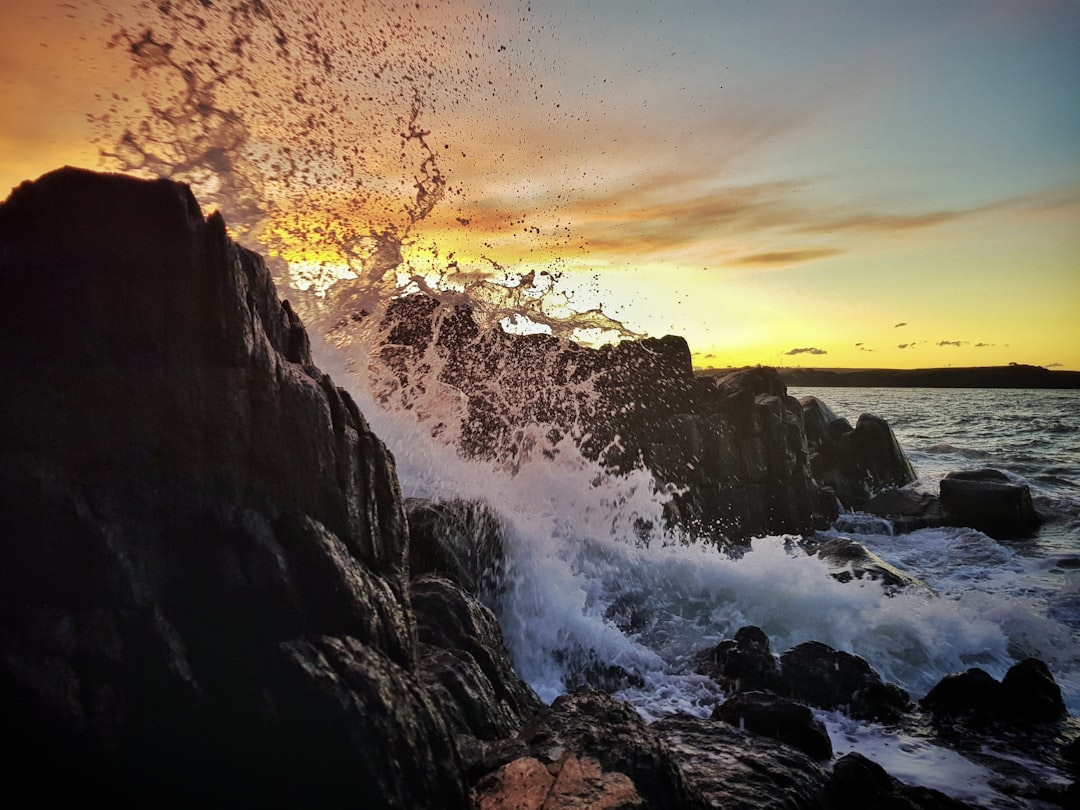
[214, 593]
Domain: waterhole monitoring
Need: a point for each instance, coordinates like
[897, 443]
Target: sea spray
[330, 141]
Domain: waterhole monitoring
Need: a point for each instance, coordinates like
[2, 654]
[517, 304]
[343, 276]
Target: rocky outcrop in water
[1027, 694]
[986, 500]
[853, 462]
[811, 672]
[743, 457]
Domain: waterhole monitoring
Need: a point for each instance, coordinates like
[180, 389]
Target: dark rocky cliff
[203, 572]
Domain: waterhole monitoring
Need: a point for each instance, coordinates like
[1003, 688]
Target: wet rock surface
[785, 720]
[205, 593]
[1027, 694]
[849, 560]
[597, 726]
[740, 771]
[811, 672]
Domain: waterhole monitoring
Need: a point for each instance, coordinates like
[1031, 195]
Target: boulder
[854, 463]
[744, 663]
[831, 679]
[989, 501]
[785, 720]
[738, 771]
[811, 672]
[1027, 694]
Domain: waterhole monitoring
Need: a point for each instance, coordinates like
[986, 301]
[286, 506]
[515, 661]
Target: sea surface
[584, 595]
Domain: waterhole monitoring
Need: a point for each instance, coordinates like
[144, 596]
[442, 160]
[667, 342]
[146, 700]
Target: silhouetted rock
[732, 446]
[854, 463]
[785, 720]
[1027, 694]
[739, 771]
[858, 783]
[203, 570]
[988, 501]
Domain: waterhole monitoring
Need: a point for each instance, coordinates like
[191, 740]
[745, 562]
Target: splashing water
[326, 134]
[310, 127]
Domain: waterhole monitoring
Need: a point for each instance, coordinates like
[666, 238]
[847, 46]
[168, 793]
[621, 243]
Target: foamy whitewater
[582, 590]
[324, 135]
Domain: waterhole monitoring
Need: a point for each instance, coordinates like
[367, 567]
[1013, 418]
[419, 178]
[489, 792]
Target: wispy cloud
[902, 323]
[808, 350]
[788, 256]
[955, 343]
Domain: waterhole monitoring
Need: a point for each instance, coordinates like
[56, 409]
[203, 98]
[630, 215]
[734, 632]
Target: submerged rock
[848, 560]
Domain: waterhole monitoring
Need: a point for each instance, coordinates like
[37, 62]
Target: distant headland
[1011, 376]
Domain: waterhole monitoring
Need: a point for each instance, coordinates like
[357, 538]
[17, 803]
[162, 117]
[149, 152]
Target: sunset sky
[832, 184]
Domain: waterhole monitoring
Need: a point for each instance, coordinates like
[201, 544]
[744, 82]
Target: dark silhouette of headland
[1013, 375]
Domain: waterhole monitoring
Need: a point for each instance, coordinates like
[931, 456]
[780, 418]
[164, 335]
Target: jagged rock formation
[853, 462]
[733, 446]
[203, 574]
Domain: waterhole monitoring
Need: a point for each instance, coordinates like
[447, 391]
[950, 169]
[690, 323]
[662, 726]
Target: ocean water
[584, 594]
